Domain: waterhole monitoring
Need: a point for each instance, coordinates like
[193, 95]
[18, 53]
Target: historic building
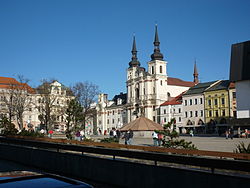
[172, 109]
[146, 89]
[14, 98]
[220, 102]
[53, 93]
[111, 113]
[194, 106]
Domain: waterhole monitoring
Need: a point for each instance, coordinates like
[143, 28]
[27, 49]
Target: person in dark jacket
[131, 135]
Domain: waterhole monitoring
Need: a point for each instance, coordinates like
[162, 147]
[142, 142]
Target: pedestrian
[78, 135]
[118, 133]
[160, 137]
[246, 133]
[114, 133]
[231, 135]
[191, 133]
[155, 138]
[239, 132]
[50, 133]
[111, 133]
[226, 133]
[131, 135]
[81, 134]
[126, 137]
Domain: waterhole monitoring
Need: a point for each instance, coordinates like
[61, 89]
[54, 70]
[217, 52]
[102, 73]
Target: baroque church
[146, 91]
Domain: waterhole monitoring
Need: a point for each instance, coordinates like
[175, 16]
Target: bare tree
[85, 93]
[51, 103]
[46, 103]
[17, 99]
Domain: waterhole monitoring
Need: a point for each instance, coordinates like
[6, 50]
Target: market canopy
[142, 124]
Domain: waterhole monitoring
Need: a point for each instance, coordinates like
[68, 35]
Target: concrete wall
[242, 97]
[120, 173]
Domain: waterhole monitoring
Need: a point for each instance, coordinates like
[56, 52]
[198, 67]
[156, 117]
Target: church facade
[146, 89]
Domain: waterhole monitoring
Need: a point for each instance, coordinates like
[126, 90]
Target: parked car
[23, 179]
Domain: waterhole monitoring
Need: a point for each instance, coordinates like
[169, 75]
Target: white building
[172, 109]
[146, 89]
[111, 114]
[194, 106]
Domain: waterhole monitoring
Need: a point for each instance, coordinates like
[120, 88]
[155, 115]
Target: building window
[222, 101]
[190, 101]
[108, 121]
[210, 113]
[185, 102]
[216, 113]
[191, 114]
[165, 120]
[186, 114]
[195, 101]
[160, 69]
[113, 112]
[113, 121]
[164, 111]
[161, 82]
[223, 113]
[179, 119]
[152, 70]
[201, 113]
[119, 111]
[154, 90]
[209, 102]
[154, 118]
[216, 102]
[144, 90]
[179, 110]
[200, 100]
[196, 113]
[153, 108]
[234, 95]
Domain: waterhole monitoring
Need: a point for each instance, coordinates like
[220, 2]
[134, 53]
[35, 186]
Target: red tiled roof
[174, 101]
[179, 82]
[8, 83]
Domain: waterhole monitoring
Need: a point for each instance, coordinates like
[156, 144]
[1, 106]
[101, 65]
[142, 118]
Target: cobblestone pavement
[202, 143]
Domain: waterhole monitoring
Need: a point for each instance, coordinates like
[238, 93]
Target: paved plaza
[201, 142]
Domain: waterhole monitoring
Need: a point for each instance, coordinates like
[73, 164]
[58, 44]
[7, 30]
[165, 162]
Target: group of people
[157, 138]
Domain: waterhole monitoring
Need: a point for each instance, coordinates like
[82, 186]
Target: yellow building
[220, 103]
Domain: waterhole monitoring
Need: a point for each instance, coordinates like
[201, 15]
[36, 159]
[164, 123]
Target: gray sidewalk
[202, 143]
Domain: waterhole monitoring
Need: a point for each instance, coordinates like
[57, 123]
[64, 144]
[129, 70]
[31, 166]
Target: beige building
[56, 93]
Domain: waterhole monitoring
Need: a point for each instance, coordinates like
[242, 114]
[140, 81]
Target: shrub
[109, 140]
[30, 133]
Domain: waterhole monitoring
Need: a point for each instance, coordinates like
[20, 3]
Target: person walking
[231, 135]
[126, 137]
[155, 138]
[160, 137]
[131, 135]
[226, 133]
[246, 133]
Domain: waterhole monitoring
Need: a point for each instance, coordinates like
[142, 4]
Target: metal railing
[217, 160]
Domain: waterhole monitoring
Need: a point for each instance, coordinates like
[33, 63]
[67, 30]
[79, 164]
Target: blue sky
[91, 40]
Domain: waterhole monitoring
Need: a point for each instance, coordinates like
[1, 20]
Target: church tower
[157, 88]
[196, 79]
